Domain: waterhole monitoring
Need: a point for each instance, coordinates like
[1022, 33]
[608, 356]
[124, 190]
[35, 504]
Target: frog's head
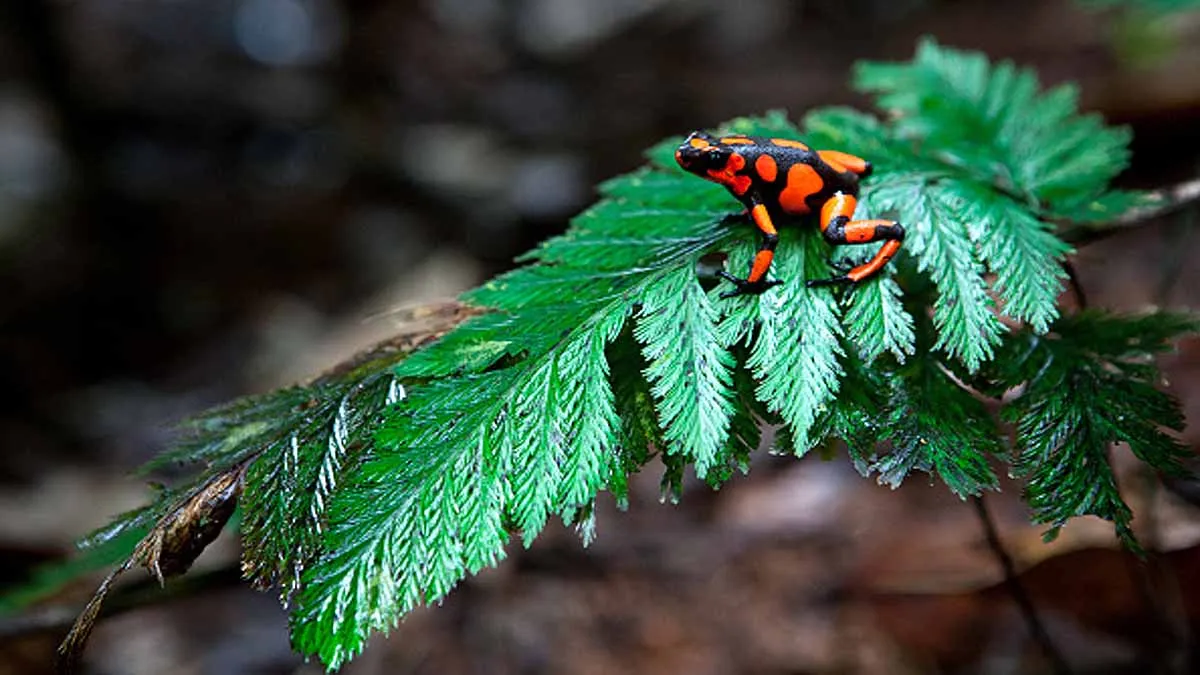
[701, 153]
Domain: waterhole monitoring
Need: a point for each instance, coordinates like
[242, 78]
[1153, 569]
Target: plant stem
[1017, 590]
[1173, 198]
[58, 618]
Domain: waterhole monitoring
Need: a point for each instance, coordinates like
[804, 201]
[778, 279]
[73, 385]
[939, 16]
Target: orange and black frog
[779, 180]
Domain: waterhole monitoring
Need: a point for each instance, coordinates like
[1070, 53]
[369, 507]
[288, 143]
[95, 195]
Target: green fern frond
[295, 477]
[639, 433]
[689, 370]
[472, 456]
[1020, 250]
[795, 353]
[378, 488]
[858, 416]
[992, 122]
[877, 322]
[1088, 385]
[937, 427]
[940, 239]
[999, 158]
[544, 430]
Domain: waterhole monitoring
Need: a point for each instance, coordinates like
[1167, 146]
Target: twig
[1170, 199]
[58, 618]
[1012, 582]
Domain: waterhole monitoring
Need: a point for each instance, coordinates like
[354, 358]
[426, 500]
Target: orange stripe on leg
[762, 219]
[875, 264]
[865, 231]
[838, 205]
[766, 250]
[762, 263]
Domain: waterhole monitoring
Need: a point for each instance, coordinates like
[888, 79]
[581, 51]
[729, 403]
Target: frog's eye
[716, 156]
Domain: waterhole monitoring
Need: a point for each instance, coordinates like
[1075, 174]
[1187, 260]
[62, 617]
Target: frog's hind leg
[839, 230]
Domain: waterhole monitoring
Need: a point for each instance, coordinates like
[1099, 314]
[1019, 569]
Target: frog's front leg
[756, 281]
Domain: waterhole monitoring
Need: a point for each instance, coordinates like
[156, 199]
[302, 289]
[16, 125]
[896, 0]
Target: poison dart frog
[777, 180]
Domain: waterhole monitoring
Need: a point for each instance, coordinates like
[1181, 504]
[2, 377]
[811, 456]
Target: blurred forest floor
[205, 199]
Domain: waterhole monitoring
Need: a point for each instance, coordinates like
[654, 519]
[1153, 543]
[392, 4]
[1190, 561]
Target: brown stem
[1171, 199]
[58, 618]
[1016, 590]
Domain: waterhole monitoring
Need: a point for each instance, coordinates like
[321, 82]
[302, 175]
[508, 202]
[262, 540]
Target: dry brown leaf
[168, 550]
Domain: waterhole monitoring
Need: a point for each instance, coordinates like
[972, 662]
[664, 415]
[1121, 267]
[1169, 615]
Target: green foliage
[304, 437]
[993, 123]
[378, 488]
[983, 164]
[677, 325]
[936, 426]
[472, 455]
[797, 341]
[297, 473]
[1088, 385]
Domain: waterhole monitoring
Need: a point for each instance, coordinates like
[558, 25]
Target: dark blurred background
[200, 199]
